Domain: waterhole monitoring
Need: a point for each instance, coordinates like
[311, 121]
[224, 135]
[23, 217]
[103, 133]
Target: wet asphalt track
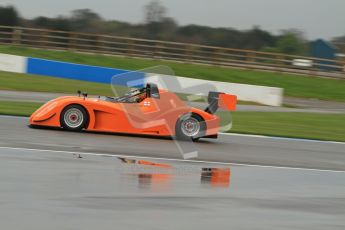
[43, 185]
[54, 190]
[227, 148]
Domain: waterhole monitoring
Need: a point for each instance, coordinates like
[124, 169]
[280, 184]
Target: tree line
[159, 26]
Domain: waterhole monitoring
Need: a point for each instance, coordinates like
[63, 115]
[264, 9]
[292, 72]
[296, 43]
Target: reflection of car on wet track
[147, 110]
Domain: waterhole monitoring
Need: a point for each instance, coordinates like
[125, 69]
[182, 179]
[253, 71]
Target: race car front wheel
[190, 127]
[74, 118]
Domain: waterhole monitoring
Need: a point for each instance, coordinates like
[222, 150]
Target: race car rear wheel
[74, 118]
[190, 127]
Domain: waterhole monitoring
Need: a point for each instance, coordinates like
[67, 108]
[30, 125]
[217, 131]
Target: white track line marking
[281, 138]
[175, 160]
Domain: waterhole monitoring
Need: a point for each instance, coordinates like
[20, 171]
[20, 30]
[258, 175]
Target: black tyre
[74, 118]
[190, 127]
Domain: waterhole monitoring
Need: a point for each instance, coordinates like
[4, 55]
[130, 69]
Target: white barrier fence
[261, 94]
[12, 63]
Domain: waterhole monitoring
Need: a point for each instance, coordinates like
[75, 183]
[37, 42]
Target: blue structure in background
[81, 72]
[323, 49]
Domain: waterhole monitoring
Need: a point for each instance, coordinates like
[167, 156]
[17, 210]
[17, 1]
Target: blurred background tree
[158, 25]
[290, 42]
[59, 23]
[85, 20]
[9, 16]
[154, 12]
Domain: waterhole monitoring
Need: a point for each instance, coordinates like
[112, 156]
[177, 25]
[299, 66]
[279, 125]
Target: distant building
[325, 50]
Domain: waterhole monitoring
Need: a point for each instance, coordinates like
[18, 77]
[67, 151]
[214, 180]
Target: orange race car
[146, 110]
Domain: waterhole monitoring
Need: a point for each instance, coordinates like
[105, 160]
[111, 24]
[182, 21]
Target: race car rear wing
[220, 100]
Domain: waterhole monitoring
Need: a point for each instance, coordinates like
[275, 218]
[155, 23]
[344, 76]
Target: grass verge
[299, 125]
[34, 83]
[18, 108]
[294, 85]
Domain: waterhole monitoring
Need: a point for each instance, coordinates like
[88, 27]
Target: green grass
[24, 82]
[18, 108]
[300, 125]
[294, 85]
